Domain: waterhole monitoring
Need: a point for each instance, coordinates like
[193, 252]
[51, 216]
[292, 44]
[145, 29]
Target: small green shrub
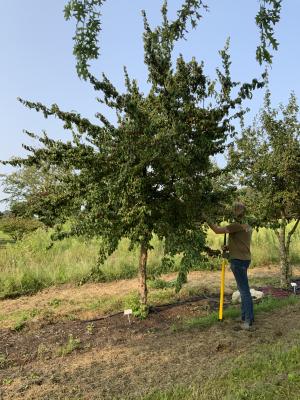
[19, 324]
[7, 381]
[31, 283]
[55, 302]
[90, 328]
[71, 345]
[138, 310]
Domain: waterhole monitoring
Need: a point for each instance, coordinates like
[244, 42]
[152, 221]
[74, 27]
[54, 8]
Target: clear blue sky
[37, 62]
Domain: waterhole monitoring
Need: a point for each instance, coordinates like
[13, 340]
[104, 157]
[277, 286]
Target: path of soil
[115, 358]
[72, 296]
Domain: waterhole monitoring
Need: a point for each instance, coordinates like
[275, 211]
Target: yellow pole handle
[222, 290]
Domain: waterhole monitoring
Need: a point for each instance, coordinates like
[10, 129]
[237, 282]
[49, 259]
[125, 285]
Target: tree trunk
[143, 273]
[284, 257]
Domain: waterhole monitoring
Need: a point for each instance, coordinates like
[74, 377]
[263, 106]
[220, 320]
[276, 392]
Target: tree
[35, 191]
[87, 14]
[17, 227]
[267, 158]
[152, 171]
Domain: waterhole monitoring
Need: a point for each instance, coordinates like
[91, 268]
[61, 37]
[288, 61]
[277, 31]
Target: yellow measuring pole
[222, 289]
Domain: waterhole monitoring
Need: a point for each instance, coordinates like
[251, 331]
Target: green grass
[267, 372]
[71, 345]
[19, 318]
[161, 284]
[104, 305]
[266, 305]
[4, 235]
[28, 266]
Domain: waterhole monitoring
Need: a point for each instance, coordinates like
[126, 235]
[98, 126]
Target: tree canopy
[18, 227]
[87, 14]
[152, 171]
[267, 158]
[35, 191]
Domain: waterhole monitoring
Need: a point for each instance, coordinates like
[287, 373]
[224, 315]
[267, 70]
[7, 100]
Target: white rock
[255, 294]
[236, 297]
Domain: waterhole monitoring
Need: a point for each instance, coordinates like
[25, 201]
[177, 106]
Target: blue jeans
[239, 269]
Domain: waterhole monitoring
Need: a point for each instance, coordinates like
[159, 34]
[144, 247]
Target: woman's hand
[246, 227]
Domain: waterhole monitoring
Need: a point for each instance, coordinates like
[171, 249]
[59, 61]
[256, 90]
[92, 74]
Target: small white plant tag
[294, 286]
[128, 312]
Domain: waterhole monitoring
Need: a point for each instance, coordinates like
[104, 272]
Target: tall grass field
[30, 265]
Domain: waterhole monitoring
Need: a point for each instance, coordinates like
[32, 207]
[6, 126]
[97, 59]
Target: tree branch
[292, 231]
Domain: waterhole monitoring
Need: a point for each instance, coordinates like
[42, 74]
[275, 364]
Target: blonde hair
[239, 209]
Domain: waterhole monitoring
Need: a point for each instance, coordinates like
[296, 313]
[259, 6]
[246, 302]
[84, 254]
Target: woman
[240, 258]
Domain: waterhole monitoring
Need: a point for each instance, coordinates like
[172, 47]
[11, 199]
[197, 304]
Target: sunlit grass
[266, 372]
[29, 266]
[266, 305]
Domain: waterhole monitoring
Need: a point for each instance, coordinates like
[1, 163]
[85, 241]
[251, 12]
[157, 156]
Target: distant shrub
[17, 227]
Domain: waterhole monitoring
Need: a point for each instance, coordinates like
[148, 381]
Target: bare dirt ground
[113, 358]
[74, 298]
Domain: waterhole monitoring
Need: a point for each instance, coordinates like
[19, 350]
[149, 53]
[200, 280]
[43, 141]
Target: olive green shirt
[239, 241]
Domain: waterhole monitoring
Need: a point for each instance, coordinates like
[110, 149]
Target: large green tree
[267, 158]
[151, 172]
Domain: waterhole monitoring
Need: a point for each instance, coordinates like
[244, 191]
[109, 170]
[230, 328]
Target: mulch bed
[278, 292]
